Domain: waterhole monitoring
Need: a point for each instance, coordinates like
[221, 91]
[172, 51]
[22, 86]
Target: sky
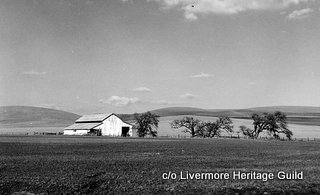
[125, 56]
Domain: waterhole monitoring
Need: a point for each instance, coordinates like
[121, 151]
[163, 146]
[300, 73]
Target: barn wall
[77, 132]
[112, 126]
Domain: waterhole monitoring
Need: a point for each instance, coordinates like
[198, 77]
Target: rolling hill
[289, 110]
[27, 116]
[173, 111]
[301, 115]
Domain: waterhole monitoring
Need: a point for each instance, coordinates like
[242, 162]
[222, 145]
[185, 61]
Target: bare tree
[247, 131]
[273, 123]
[204, 129]
[212, 129]
[189, 123]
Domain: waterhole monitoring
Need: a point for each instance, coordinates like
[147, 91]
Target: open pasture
[299, 131]
[29, 130]
[86, 165]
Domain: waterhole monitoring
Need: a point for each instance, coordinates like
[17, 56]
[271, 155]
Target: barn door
[125, 131]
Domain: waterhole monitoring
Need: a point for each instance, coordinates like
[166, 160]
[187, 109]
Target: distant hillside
[173, 111]
[169, 111]
[303, 115]
[27, 116]
[289, 110]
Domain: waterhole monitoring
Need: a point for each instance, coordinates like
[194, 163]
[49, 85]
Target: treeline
[272, 123]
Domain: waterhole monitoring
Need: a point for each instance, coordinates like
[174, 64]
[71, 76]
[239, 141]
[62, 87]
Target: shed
[99, 124]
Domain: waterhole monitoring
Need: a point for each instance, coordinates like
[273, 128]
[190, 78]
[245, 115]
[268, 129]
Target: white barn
[99, 124]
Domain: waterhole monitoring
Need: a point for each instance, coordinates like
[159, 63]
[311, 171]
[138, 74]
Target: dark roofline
[127, 123]
[88, 121]
[93, 121]
[81, 129]
[103, 119]
[120, 119]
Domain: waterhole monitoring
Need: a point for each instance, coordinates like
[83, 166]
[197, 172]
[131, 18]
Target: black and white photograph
[160, 97]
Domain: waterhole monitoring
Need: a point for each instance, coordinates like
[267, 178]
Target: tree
[247, 131]
[212, 129]
[189, 123]
[274, 123]
[145, 123]
[203, 129]
[223, 123]
[215, 128]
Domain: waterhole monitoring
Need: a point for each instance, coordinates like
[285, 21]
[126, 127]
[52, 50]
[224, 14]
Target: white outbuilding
[99, 124]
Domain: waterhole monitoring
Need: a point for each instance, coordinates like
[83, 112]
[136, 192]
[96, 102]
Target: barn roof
[82, 126]
[93, 118]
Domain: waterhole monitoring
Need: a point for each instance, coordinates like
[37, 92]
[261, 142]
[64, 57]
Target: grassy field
[29, 130]
[86, 165]
[299, 131]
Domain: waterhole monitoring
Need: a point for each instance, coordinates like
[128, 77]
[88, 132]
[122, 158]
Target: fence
[185, 136]
[31, 133]
[243, 137]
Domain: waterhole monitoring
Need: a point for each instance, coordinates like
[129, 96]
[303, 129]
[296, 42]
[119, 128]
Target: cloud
[141, 89]
[127, 101]
[120, 101]
[125, 1]
[34, 73]
[201, 75]
[164, 102]
[193, 8]
[161, 102]
[190, 16]
[252, 83]
[187, 96]
[51, 106]
[300, 14]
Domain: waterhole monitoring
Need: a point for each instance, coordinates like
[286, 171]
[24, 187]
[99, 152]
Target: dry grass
[59, 164]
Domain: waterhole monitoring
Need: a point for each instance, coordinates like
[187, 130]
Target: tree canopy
[145, 124]
[273, 123]
[189, 123]
[203, 129]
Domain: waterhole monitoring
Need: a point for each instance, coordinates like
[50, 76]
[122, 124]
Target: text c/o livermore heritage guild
[234, 175]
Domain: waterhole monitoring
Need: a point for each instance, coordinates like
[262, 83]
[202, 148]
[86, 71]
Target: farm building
[99, 124]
